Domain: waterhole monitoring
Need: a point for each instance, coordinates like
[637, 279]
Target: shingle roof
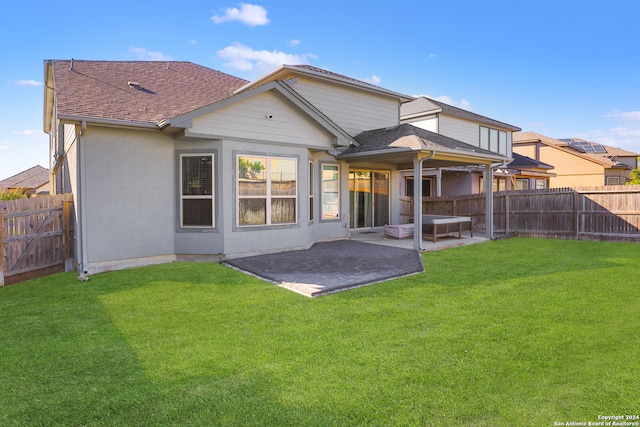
[520, 161]
[101, 89]
[34, 177]
[603, 160]
[407, 136]
[424, 105]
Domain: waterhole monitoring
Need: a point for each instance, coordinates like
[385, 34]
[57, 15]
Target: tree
[634, 176]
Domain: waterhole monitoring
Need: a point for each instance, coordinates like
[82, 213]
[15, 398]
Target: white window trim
[323, 216]
[311, 205]
[267, 196]
[211, 197]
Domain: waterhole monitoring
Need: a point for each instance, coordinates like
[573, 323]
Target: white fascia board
[65, 118]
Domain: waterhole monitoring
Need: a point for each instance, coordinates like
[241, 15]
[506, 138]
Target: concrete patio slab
[332, 266]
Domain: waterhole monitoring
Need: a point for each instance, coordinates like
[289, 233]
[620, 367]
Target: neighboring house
[33, 181]
[172, 160]
[462, 125]
[576, 163]
[525, 173]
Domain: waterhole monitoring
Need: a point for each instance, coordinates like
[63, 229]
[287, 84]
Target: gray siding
[354, 111]
[129, 190]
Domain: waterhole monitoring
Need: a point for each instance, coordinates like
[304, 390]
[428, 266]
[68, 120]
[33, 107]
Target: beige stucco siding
[129, 194]
[528, 150]
[354, 111]
[266, 117]
[571, 170]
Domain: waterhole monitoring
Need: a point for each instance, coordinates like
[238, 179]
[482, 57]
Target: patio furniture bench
[442, 225]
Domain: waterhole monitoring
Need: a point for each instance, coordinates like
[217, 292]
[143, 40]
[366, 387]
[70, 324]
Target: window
[267, 190]
[330, 191]
[499, 184]
[541, 184]
[613, 180]
[493, 140]
[311, 181]
[522, 183]
[426, 187]
[196, 190]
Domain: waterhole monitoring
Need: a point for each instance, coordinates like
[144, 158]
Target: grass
[514, 332]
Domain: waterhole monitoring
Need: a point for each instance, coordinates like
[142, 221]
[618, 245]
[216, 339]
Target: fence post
[506, 213]
[576, 213]
[1, 249]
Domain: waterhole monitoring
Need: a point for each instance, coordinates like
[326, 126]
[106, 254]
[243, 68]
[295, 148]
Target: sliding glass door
[368, 198]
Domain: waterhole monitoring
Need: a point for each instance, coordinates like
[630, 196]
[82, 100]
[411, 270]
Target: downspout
[417, 198]
[81, 228]
[488, 191]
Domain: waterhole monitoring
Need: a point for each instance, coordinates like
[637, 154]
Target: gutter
[456, 152]
[71, 119]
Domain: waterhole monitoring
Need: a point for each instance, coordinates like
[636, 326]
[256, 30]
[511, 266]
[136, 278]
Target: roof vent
[134, 85]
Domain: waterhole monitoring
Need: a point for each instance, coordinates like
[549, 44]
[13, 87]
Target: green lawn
[516, 332]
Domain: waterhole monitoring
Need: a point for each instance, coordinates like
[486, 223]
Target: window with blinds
[196, 191]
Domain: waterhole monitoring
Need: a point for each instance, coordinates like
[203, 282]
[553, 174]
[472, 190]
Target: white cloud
[4, 147]
[26, 83]
[432, 55]
[33, 134]
[625, 135]
[193, 41]
[373, 80]
[244, 58]
[143, 54]
[249, 14]
[294, 43]
[463, 103]
[627, 138]
[624, 115]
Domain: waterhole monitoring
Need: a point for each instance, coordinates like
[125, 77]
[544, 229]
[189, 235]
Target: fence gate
[36, 237]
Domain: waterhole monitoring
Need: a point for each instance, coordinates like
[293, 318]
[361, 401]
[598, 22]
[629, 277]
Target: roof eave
[67, 118]
[435, 153]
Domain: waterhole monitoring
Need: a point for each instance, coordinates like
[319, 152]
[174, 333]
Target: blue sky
[561, 68]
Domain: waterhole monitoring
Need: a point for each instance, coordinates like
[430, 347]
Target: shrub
[13, 194]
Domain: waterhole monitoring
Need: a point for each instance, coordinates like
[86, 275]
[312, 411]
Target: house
[576, 162]
[471, 128]
[171, 160]
[526, 173]
[33, 181]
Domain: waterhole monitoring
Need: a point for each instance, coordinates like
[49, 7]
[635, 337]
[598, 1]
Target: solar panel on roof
[587, 147]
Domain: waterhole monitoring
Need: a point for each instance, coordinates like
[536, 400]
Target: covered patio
[409, 147]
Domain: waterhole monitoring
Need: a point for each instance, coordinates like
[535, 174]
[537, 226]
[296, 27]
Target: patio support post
[417, 203]
[488, 191]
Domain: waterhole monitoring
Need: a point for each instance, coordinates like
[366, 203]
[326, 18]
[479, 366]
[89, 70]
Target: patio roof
[408, 146]
[404, 143]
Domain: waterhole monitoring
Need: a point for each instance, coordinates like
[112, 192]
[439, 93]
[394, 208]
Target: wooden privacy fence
[609, 213]
[36, 237]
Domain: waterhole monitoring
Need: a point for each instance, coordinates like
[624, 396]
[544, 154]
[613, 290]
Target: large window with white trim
[330, 191]
[311, 192]
[493, 140]
[196, 191]
[267, 190]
